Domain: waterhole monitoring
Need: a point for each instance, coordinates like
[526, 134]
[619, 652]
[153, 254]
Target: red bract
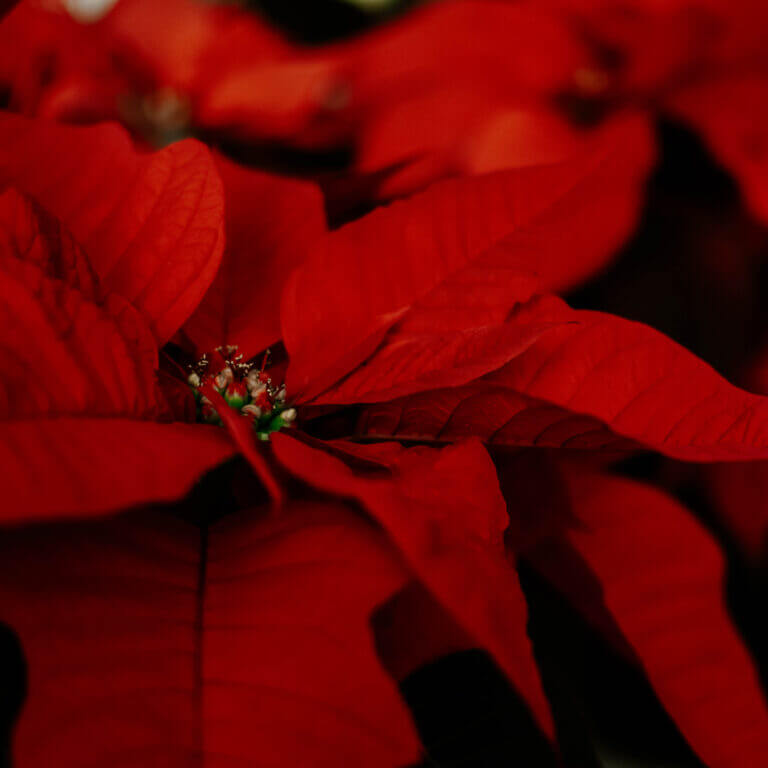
[151, 642]
[271, 223]
[446, 514]
[152, 225]
[660, 583]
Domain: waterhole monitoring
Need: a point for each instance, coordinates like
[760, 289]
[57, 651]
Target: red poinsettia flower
[427, 310]
[183, 647]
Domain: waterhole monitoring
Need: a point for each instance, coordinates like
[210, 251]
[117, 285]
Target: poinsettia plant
[432, 301]
[258, 471]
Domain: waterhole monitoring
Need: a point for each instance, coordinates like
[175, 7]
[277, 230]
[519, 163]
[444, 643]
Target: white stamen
[252, 379]
[252, 410]
[225, 378]
[288, 415]
[256, 389]
[193, 380]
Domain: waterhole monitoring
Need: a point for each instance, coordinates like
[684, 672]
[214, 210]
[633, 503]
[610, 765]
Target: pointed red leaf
[405, 363]
[413, 630]
[445, 512]
[270, 224]
[465, 129]
[149, 642]
[435, 123]
[152, 225]
[496, 415]
[383, 264]
[600, 371]
[80, 467]
[663, 581]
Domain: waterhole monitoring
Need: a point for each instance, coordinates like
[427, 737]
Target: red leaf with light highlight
[270, 224]
[593, 372]
[462, 130]
[150, 642]
[445, 511]
[663, 582]
[408, 363]
[496, 415]
[152, 224]
[456, 233]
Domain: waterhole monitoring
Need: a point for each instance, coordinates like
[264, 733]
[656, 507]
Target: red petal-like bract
[541, 220]
[149, 642]
[405, 363]
[78, 370]
[592, 372]
[496, 415]
[663, 579]
[445, 512]
[461, 129]
[152, 224]
[79, 467]
[270, 225]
